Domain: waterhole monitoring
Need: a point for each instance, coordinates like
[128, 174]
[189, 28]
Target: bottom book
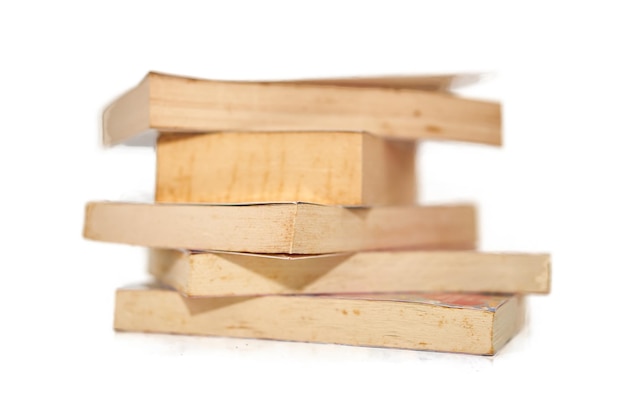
[446, 322]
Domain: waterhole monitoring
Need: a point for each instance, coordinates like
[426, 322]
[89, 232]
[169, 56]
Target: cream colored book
[168, 103]
[201, 274]
[335, 168]
[463, 323]
[287, 228]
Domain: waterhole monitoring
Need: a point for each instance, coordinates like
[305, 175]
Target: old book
[337, 168]
[199, 274]
[168, 103]
[291, 228]
[464, 323]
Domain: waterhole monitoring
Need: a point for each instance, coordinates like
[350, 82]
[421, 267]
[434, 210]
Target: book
[463, 323]
[210, 274]
[168, 103]
[336, 168]
[283, 228]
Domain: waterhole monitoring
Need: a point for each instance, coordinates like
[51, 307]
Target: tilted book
[167, 103]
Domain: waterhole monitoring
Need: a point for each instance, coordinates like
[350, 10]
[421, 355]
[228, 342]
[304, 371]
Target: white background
[556, 186]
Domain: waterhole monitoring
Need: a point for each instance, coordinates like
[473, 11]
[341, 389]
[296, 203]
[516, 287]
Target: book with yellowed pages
[337, 168]
[281, 228]
[168, 103]
[202, 274]
[447, 322]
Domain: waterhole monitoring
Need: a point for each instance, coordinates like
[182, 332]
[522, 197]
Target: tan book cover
[424, 82]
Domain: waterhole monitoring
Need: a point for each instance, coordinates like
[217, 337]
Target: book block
[464, 323]
[167, 103]
[325, 168]
[213, 274]
[290, 228]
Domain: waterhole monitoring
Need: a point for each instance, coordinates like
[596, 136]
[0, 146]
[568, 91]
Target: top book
[408, 108]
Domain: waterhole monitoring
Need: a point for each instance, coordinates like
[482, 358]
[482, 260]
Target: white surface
[556, 186]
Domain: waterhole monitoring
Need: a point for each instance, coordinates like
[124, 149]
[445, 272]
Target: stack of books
[289, 211]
